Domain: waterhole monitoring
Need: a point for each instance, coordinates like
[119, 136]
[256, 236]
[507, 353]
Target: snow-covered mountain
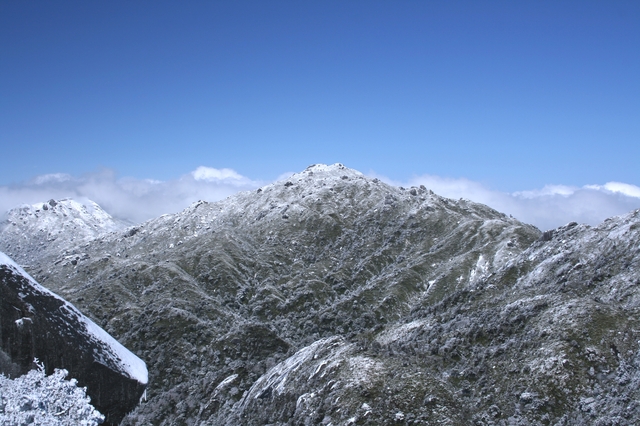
[333, 298]
[38, 323]
[30, 232]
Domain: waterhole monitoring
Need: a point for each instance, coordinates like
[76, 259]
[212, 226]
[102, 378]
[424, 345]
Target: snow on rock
[31, 231]
[274, 382]
[38, 323]
[134, 367]
[327, 367]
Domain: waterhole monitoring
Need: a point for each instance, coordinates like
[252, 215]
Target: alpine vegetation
[333, 298]
[38, 399]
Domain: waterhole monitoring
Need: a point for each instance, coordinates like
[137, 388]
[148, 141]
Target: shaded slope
[35, 323]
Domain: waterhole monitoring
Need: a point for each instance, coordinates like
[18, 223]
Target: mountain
[30, 232]
[37, 323]
[333, 298]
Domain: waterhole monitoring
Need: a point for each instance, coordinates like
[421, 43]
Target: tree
[38, 399]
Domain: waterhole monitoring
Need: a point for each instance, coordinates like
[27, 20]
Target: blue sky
[513, 96]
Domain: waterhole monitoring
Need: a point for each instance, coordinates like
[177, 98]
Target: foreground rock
[36, 323]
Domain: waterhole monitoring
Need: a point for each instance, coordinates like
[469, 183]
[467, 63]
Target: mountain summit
[30, 232]
[333, 298]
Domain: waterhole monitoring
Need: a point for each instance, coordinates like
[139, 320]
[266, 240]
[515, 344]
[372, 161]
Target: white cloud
[546, 208]
[137, 200]
[210, 174]
[131, 199]
[53, 177]
[547, 190]
[618, 187]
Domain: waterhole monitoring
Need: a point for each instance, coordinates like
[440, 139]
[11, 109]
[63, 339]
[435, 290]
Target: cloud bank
[136, 200]
[546, 208]
[133, 200]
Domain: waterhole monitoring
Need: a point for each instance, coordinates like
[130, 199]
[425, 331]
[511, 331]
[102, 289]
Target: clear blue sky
[513, 94]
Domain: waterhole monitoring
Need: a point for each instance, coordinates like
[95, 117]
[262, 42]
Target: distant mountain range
[333, 298]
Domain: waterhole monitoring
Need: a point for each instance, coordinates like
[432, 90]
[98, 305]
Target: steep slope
[225, 299]
[551, 337]
[37, 323]
[31, 232]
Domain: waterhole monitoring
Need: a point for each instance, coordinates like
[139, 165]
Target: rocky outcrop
[35, 323]
[30, 233]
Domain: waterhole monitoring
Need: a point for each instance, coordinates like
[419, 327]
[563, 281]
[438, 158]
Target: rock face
[36, 323]
[332, 298]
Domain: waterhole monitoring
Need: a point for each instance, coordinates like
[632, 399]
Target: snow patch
[225, 382]
[134, 366]
[480, 270]
[399, 332]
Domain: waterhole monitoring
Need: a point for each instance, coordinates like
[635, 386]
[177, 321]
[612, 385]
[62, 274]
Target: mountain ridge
[330, 297]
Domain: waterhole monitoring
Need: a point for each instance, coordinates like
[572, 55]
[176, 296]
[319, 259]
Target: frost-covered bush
[38, 399]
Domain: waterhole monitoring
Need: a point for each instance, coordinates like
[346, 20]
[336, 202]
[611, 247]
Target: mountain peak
[28, 229]
[318, 173]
